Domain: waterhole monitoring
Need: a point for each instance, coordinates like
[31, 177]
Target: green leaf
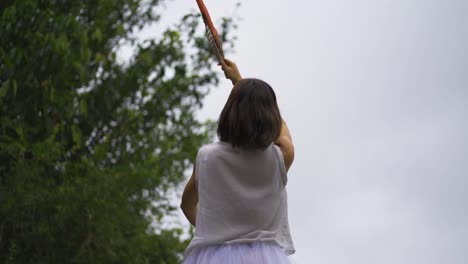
[52, 94]
[83, 107]
[97, 35]
[120, 29]
[15, 88]
[81, 70]
[4, 88]
[76, 135]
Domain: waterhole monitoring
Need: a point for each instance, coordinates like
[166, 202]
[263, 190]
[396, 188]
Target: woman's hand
[230, 71]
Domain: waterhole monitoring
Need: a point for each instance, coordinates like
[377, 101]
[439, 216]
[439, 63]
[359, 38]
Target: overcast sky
[375, 94]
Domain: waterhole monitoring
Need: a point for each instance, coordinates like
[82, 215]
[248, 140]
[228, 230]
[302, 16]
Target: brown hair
[251, 118]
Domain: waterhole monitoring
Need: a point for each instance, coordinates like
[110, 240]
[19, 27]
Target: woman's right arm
[284, 142]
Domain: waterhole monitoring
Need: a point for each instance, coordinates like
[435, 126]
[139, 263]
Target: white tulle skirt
[258, 252]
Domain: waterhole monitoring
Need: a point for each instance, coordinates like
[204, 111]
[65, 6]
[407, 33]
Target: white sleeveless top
[241, 197]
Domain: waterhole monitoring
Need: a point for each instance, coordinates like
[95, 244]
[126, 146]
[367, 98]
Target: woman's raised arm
[284, 142]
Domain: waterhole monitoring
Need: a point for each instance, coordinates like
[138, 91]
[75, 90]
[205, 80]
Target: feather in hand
[211, 32]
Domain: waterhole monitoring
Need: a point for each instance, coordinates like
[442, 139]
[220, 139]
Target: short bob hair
[251, 118]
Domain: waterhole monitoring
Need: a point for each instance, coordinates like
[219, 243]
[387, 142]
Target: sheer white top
[241, 197]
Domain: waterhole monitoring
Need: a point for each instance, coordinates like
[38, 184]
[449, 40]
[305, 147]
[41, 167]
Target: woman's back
[236, 197]
[242, 197]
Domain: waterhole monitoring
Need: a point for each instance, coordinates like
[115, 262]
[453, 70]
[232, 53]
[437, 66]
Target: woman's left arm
[189, 202]
[231, 71]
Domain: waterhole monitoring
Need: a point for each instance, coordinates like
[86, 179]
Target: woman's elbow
[188, 202]
[184, 203]
[287, 148]
[289, 156]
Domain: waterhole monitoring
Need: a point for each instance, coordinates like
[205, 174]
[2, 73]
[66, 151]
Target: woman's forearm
[284, 141]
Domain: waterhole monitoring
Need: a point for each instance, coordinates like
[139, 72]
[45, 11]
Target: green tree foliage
[90, 145]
